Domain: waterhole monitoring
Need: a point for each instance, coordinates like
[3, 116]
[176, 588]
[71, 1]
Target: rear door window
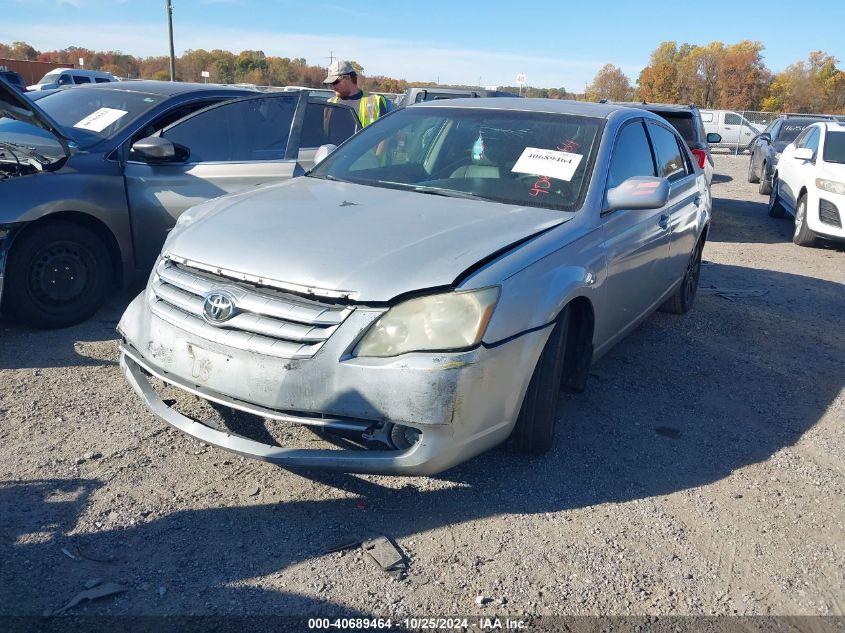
[732, 119]
[327, 123]
[252, 129]
[81, 79]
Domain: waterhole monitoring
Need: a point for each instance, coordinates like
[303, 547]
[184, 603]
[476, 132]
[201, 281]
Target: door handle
[697, 201]
[664, 221]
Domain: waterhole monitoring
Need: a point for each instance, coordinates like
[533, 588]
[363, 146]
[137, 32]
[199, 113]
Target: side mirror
[804, 153]
[712, 137]
[322, 152]
[639, 192]
[765, 136]
[155, 149]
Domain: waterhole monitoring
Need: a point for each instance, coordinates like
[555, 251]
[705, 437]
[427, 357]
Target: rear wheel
[776, 209]
[534, 430]
[681, 302]
[803, 235]
[58, 275]
[765, 187]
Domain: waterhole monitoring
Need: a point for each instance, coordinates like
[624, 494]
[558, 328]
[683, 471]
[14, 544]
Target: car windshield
[834, 147]
[514, 157]
[50, 77]
[89, 115]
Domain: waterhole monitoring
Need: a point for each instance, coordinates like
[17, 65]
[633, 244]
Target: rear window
[12, 78]
[683, 122]
[791, 128]
[834, 147]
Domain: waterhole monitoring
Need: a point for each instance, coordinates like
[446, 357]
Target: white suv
[810, 183]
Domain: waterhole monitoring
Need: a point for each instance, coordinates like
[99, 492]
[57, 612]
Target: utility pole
[170, 33]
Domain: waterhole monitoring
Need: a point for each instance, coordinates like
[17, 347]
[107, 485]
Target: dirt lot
[702, 472]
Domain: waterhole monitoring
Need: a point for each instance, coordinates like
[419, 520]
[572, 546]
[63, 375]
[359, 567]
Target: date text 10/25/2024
[420, 624]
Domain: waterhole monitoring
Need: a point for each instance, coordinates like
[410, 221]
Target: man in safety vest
[344, 80]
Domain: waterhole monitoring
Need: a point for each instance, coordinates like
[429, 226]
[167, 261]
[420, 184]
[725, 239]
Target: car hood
[17, 106]
[835, 171]
[342, 239]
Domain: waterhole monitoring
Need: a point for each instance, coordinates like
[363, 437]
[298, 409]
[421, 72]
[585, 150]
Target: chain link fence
[739, 128]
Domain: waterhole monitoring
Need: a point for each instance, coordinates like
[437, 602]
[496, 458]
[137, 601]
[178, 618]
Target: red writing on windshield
[568, 146]
[542, 185]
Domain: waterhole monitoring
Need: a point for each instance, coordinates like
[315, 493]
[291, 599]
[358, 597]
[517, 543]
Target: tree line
[732, 77]
[714, 75]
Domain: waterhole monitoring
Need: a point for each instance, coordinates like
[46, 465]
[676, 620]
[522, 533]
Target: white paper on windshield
[101, 119]
[547, 162]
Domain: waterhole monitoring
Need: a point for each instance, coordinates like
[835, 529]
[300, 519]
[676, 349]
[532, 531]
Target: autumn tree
[658, 81]
[743, 77]
[814, 85]
[610, 83]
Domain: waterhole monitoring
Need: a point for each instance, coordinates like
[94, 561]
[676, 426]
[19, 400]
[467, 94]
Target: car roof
[555, 106]
[163, 88]
[652, 107]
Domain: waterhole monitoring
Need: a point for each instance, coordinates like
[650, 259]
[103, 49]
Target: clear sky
[558, 43]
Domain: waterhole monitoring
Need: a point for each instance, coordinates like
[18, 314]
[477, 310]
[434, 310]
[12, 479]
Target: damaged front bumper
[461, 404]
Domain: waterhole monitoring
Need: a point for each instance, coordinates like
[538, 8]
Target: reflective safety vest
[370, 107]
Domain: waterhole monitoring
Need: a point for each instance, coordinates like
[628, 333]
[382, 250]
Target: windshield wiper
[449, 193]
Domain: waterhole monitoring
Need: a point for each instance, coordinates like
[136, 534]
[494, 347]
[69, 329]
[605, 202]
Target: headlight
[831, 186]
[449, 321]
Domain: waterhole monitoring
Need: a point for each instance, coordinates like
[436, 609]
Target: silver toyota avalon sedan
[428, 288]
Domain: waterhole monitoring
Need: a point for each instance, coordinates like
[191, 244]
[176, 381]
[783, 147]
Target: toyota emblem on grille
[218, 307]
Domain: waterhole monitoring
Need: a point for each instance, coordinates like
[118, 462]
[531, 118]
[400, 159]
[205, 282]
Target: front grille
[267, 321]
[829, 214]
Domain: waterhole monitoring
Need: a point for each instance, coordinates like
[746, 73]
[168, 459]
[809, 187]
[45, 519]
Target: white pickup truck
[735, 129]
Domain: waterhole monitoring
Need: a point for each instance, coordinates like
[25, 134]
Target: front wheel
[534, 430]
[58, 275]
[803, 236]
[681, 302]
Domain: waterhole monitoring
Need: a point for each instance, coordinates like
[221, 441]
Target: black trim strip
[517, 335]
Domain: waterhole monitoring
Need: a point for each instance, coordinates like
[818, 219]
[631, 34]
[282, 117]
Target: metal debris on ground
[103, 591]
[734, 293]
[67, 553]
[386, 555]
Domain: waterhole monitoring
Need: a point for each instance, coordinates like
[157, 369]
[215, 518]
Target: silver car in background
[428, 288]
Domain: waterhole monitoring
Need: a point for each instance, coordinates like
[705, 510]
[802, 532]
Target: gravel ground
[702, 472]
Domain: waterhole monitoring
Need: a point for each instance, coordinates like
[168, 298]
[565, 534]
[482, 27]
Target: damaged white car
[429, 287]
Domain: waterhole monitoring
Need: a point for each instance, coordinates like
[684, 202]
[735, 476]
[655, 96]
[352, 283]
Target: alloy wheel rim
[799, 216]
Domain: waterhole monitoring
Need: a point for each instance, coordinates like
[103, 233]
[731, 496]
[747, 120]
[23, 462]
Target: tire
[765, 187]
[681, 302]
[534, 430]
[752, 177]
[803, 236]
[776, 209]
[58, 275]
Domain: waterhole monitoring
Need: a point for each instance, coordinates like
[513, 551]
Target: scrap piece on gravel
[103, 591]
[67, 553]
[734, 293]
[386, 555]
[343, 545]
[668, 431]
